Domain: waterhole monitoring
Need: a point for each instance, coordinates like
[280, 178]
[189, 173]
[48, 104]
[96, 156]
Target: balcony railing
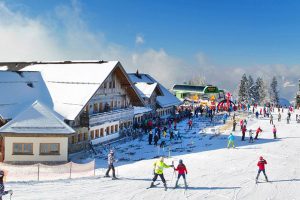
[115, 115]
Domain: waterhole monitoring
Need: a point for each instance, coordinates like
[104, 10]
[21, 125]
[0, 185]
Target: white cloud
[65, 36]
[139, 39]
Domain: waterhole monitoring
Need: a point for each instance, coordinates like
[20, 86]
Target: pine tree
[274, 96]
[251, 88]
[243, 90]
[260, 91]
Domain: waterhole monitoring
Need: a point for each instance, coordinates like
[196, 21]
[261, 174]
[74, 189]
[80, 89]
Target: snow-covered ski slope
[214, 172]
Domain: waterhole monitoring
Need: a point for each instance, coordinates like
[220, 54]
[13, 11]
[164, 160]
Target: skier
[279, 117]
[250, 136]
[190, 123]
[150, 136]
[256, 114]
[234, 125]
[271, 119]
[158, 171]
[242, 124]
[182, 171]
[2, 191]
[110, 161]
[261, 168]
[296, 117]
[244, 129]
[259, 130]
[155, 139]
[274, 132]
[230, 141]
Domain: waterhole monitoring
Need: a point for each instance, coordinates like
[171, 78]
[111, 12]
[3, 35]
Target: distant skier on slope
[110, 162]
[159, 166]
[182, 171]
[274, 132]
[261, 168]
[2, 191]
[250, 136]
[259, 130]
[230, 141]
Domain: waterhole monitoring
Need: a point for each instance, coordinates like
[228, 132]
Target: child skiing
[261, 168]
[158, 171]
[250, 136]
[110, 161]
[230, 141]
[2, 191]
[182, 171]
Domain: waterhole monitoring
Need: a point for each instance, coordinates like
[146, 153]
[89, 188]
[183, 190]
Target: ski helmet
[180, 161]
[111, 151]
[161, 159]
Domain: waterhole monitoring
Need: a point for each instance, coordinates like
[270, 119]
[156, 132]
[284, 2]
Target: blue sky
[232, 35]
[232, 32]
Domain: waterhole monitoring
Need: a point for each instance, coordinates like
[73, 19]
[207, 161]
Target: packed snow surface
[214, 172]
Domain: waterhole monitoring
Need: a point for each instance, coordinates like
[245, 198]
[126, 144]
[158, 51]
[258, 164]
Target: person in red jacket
[244, 129]
[259, 130]
[182, 171]
[261, 168]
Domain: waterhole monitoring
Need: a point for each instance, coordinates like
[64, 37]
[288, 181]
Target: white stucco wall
[36, 157]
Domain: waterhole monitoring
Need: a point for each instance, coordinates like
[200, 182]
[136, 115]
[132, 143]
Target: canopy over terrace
[195, 93]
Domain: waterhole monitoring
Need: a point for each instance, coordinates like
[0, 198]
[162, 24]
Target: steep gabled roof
[37, 119]
[19, 90]
[147, 89]
[72, 84]
[166, 100]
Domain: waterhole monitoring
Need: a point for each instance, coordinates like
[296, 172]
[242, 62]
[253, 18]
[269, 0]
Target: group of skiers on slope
[231, 137]
[160, 165]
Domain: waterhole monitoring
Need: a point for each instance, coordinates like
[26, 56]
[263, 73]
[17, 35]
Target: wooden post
[70, 170]
[38, 171]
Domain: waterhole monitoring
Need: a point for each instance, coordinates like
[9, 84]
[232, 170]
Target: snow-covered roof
[71, 85]
[140, 110]
[37, 119]
[146, 89]
[19, 90]
[168, 99]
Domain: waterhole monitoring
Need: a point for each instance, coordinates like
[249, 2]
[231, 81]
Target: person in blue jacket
[230, 141]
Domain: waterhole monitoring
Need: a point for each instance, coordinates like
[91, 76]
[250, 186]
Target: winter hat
[261, 158]
[161, 159]
[111, 151]
[180, 161]
[1, 173]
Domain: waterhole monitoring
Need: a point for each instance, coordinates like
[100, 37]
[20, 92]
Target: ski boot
[114, 178]
[152, 185]
[267, 179]
[165, 186]
[106, 176]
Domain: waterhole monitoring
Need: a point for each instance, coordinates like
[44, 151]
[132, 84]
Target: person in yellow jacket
[159, 166]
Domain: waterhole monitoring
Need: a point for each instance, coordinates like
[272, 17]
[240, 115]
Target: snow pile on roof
[71, 85]
[37, 119]
[168, 99]
[140, 110]
[19, 90]
[146, 89]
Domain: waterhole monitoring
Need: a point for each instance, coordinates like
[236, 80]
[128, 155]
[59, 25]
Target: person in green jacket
[159, 166]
